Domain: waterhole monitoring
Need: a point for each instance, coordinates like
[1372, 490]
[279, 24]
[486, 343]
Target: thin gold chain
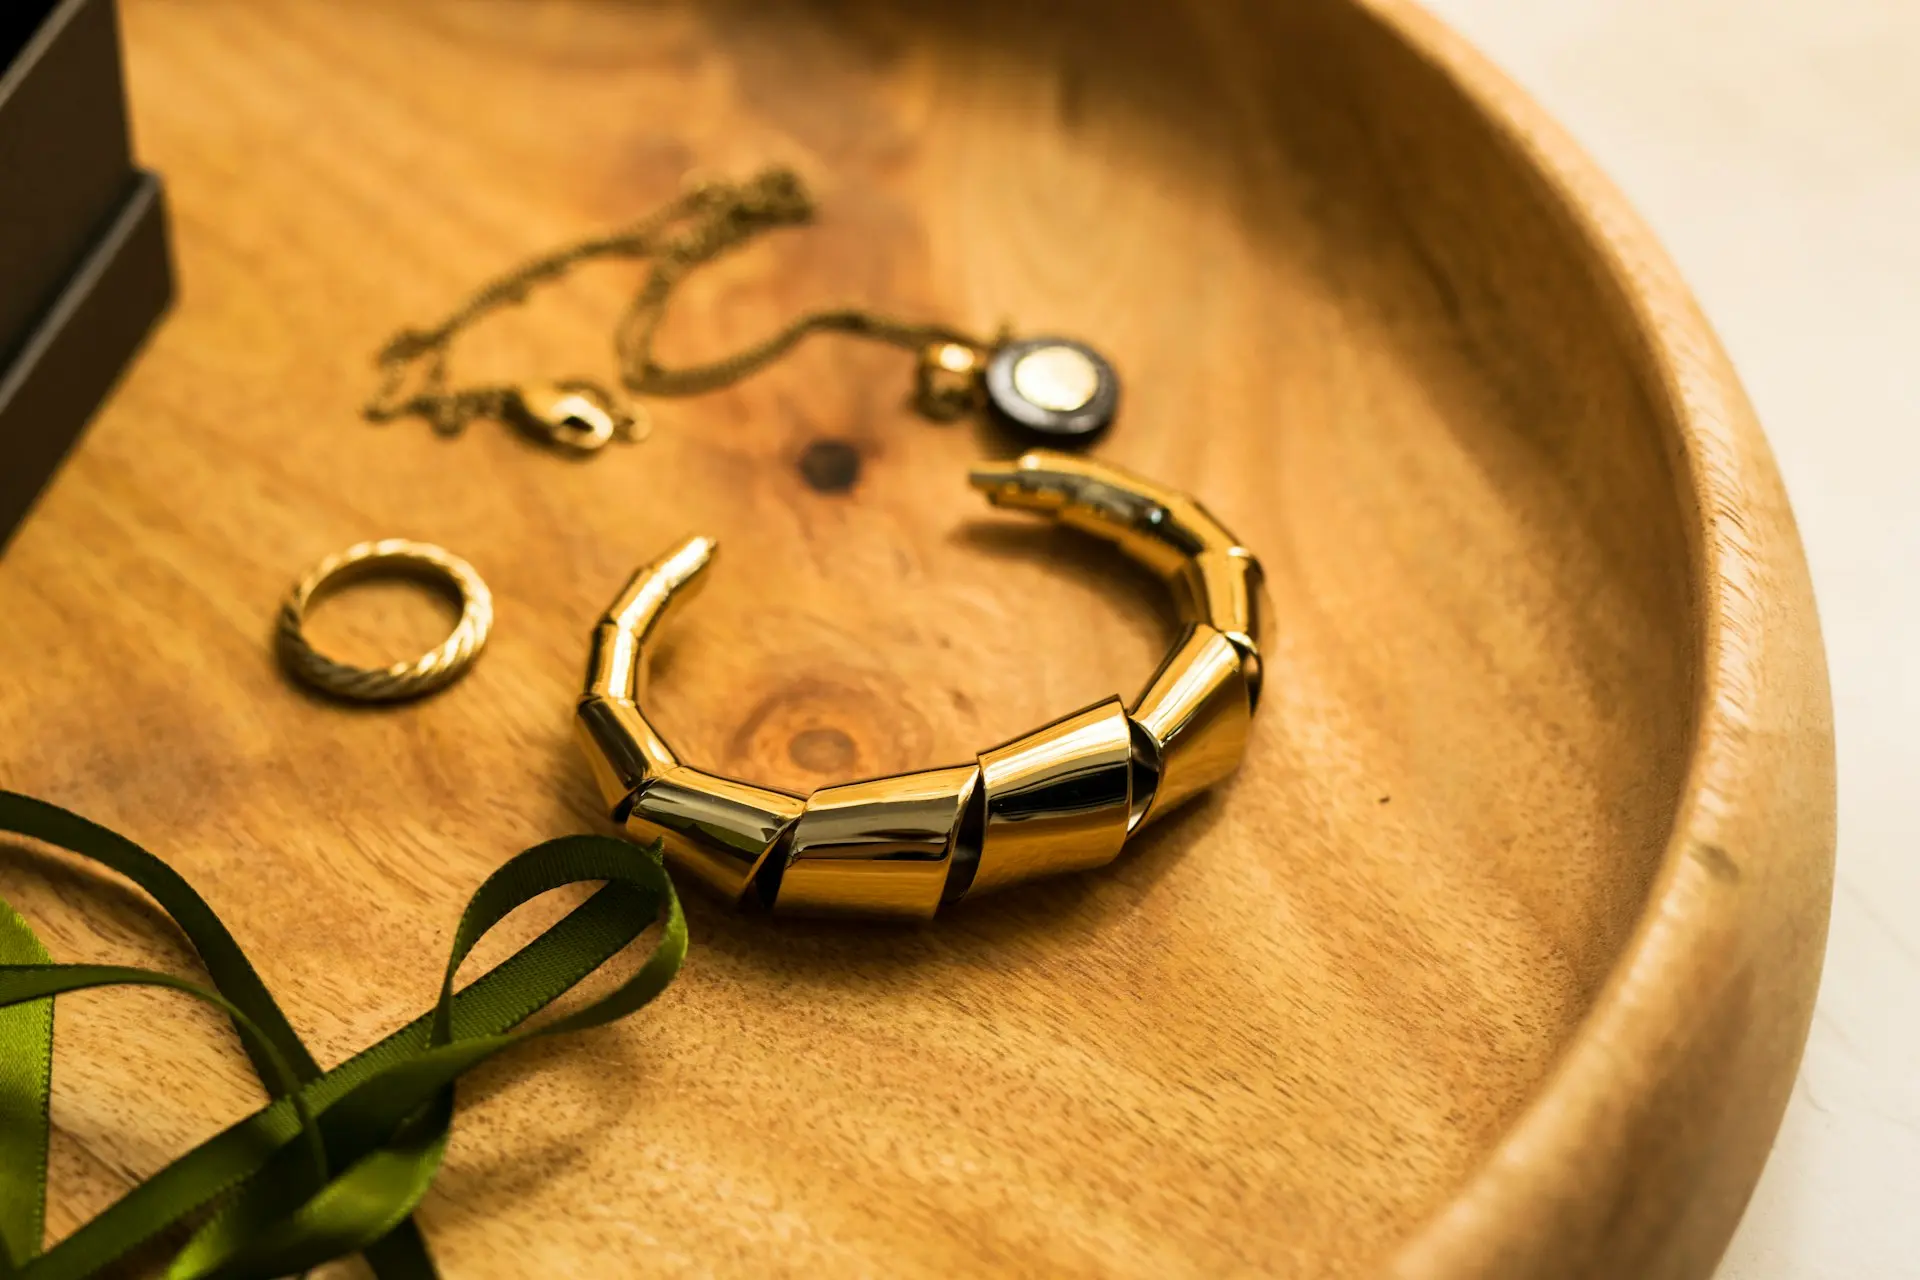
[702, 224]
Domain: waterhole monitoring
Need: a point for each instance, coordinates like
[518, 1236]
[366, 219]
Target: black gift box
[84, 267]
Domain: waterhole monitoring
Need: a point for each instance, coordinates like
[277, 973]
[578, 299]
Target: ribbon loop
[337, 1162]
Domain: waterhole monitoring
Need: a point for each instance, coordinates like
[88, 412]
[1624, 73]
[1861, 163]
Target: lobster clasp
[577, 416]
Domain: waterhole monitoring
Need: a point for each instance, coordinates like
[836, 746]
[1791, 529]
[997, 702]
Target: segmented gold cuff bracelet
[1062, 798]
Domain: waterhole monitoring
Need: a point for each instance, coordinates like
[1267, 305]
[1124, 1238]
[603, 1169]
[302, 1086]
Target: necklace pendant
[1055, 389]
[1052, 389]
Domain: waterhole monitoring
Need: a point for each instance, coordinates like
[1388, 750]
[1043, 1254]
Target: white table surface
[1775, 147]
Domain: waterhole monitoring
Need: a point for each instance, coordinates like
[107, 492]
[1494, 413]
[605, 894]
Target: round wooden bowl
[1496, 958]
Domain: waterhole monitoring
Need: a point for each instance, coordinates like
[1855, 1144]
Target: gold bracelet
[388, 557]
[1062, 798]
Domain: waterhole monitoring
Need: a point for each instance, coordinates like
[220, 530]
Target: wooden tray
[1495, 961]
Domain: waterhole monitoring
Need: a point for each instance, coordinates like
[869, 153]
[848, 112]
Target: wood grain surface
[1495, 959]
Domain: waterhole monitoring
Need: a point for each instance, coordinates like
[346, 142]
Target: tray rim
[1550, 1196]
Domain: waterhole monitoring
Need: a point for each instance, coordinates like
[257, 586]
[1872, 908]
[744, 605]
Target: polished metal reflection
[1160, 527]
[715, 828]
[614, 668]
[881, 847]
[625, 750]
[1226, 590]
[1197, 709]
[1057, 798]
[1062, 798]
[1213, 578]
[1059, 378]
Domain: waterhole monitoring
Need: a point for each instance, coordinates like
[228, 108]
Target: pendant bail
[1052, 389]
[949, 381]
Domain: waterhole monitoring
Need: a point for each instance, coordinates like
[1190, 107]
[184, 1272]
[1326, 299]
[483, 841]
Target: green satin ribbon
[336, 1163]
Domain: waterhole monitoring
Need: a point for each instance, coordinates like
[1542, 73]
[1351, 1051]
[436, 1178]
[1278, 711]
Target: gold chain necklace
[1055, 387]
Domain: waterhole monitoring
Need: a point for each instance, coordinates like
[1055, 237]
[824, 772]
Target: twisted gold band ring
[402, 680]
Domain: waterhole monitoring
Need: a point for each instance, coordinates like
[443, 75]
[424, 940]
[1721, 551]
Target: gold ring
[1062, 798]
[389, 557]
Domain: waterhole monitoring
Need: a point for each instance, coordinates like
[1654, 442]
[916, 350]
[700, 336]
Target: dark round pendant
[1052, 387]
